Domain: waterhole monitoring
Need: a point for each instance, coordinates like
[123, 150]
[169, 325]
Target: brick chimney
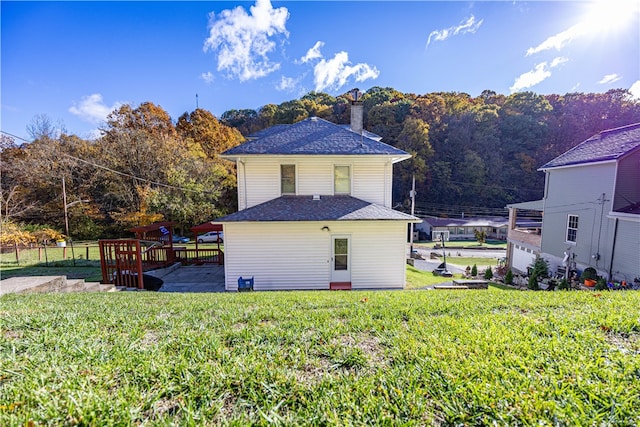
[357, 112]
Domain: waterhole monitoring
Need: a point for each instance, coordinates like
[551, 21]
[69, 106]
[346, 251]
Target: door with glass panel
[340, 258]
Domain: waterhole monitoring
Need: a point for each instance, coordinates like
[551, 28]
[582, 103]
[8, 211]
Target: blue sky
[76, 61]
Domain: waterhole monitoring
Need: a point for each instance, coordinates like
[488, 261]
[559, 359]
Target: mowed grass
[328, 358]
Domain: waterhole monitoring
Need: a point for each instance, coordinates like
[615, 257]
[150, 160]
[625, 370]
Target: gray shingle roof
[607, 145]
[466, 222]
[312, 136]
[328, 208]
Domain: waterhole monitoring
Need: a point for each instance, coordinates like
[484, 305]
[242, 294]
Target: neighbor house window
[341, 180]
[288, 179]
[572, 228]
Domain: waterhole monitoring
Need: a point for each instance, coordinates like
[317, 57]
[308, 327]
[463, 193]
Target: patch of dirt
[625, 343]
[164, 406]
[150, 339]
[369, 345]
[11, 335]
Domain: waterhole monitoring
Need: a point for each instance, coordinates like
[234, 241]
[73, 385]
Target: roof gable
[607, 145]
[313, 136]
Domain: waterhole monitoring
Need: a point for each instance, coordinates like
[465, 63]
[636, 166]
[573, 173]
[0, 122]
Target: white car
[211, 237]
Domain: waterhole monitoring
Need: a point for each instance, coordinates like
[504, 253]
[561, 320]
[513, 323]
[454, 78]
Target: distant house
[315, 209]
[463, 228]
[591, 206]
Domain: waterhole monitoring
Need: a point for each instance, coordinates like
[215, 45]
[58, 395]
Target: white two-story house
[315, 210]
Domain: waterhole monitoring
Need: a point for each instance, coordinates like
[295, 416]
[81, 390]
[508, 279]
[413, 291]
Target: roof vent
[314, 119]
[316, 197]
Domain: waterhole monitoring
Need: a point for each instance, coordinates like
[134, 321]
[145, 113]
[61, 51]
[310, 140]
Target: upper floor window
[341, 179]
[572, 228]
[288, 179]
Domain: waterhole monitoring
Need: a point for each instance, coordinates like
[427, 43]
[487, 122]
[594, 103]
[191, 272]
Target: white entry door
[340, 258]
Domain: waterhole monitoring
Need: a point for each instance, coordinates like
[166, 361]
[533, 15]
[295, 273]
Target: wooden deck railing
[199, 256]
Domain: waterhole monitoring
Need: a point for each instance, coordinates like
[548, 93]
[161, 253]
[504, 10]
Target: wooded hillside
[471, 155]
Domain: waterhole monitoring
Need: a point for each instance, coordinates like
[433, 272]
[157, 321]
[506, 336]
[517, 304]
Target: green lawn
[417, 279]
[321, 358]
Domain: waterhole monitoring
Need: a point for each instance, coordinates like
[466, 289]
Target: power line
[137, 178]
[15, 136]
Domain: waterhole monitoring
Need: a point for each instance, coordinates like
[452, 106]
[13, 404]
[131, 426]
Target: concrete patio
[192, 278]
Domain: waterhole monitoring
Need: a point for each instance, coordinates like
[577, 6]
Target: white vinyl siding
[259, 178]
[297, 255]
[262, 182]
[369, 182]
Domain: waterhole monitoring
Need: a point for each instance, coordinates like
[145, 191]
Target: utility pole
[66, 216]
[64, 201]
[413, 207]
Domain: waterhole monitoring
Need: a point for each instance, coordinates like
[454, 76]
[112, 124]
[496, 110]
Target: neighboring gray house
[591, 205]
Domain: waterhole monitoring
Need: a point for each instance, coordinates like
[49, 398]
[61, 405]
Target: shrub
[601, 284]
[474, 270]
[508, 278]
[563, 285]
[533, 283]
[488, 274]
[539, 270]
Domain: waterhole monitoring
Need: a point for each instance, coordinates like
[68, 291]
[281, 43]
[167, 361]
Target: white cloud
[609, 78]
[335, 72]
[287, 83]
[540, 72]
[92, 108]
[600, 17]
[313, 53]
[558, 41]
[635, 90]
[558, 61]
[468, 26]
[243, 41]
[207, 77]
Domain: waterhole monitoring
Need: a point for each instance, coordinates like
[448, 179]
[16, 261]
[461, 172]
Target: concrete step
[38, 284]
[49, 284]
[73, 285]
[98, 287]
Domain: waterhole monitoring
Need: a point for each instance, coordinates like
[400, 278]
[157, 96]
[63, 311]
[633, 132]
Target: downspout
[613, 248]
[244, 183]
[544, 208]
[388, 176]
